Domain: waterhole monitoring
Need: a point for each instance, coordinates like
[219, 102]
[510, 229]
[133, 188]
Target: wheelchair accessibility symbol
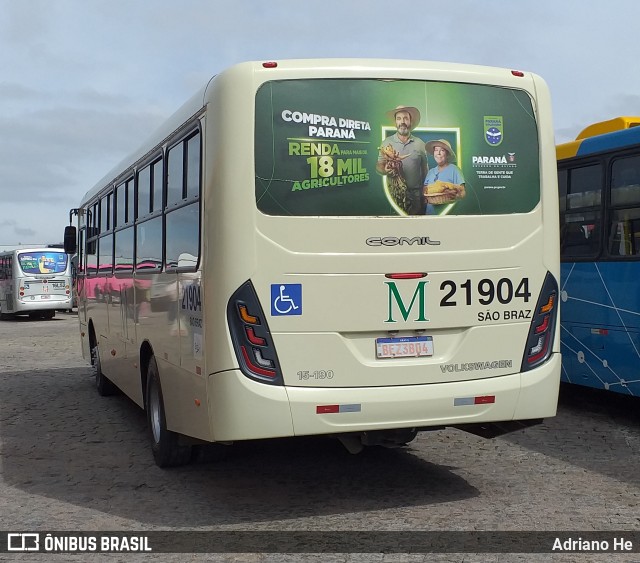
[286, 299]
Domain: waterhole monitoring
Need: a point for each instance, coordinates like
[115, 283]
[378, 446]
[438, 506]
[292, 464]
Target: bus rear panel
[35, 281]
[367, 313]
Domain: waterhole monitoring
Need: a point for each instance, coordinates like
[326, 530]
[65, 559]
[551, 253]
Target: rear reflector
[328, 409]
[486, 400]
[324, 409]
[480, 400]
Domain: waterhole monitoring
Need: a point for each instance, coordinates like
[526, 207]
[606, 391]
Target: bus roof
[35, 248]
[609, 126]
[602, 136]
[190, 108]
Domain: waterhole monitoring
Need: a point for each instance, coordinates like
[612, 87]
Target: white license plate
[404, 347]
[45, 297]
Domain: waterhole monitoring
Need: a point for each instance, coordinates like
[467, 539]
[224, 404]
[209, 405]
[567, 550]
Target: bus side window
[562, 189]
[175, 174]
[575, 242]
[625, 181]
[92, 257]
[580, 211]
[624, 233]
[624, 226]
[182, 210]
[144, 192]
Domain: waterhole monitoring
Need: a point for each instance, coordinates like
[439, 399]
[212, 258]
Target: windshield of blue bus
[346, 147]
[43, 262]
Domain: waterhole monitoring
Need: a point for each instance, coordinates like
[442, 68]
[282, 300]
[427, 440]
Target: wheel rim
[154, 412]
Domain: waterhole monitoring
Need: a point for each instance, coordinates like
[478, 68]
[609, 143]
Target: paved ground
[71, 460]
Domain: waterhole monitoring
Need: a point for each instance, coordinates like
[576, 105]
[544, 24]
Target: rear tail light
[542, 331]
[251, 338]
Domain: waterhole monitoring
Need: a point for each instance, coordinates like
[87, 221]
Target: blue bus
[599, 185]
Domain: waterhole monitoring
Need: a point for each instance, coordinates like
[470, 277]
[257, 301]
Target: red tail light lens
[542, 331]
[251, 338]
[544, 326]
[406, 276]
[254, 338]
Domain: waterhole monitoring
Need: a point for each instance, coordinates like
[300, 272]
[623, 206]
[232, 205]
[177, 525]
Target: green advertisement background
[451, 111]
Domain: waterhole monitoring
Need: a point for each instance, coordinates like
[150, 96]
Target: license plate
[404, 347]
[45, 297]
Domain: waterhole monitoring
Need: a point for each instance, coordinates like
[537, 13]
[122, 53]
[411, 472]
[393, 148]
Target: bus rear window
[43, 262]
[339, 147]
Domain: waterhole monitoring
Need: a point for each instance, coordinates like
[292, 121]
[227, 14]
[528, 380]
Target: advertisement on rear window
[341, 147]
[43, 262]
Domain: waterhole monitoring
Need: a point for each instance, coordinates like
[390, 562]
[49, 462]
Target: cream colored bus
[357, 248]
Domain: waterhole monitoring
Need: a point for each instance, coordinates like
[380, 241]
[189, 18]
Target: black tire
[48, 314]
[165, 444]
[5, 316]
[211, 453]
[103, 384]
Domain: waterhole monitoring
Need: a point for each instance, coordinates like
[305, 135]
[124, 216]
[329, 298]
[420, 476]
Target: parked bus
[599, 184]
[309, 278]
[34, 282]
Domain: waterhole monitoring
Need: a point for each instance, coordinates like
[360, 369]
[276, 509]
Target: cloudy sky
[84, 82]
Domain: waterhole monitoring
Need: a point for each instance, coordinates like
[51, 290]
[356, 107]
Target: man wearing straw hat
[412, 154]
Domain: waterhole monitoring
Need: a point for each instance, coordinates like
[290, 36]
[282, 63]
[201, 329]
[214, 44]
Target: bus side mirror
[70, 245]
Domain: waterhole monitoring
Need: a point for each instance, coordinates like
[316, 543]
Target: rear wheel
[104, 386]
[165, 444]
[48, 314]
[5, 316]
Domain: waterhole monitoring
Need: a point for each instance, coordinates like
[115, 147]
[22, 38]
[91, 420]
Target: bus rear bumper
[269, 411]
[57, 304]
[531, 395]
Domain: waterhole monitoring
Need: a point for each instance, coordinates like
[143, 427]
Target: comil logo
[400, 241]
[23, 542]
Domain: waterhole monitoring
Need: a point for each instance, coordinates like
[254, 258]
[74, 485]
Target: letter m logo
[396, 299]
